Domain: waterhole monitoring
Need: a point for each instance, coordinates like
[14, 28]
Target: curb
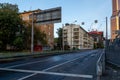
[10, 59]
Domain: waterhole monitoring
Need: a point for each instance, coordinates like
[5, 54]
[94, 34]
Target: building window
[23, 18]
[49, 27]
[49, 33]
[76, 29]
[49, 40]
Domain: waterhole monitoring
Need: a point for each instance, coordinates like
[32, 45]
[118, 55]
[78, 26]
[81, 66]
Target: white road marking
[43, 71]
[25, 64]
[32, 63]
[27, 76]
[49, 73]
[60, 64]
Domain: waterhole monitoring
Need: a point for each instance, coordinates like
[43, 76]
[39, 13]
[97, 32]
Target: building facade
[48, 29]
[98, 38]
[76, 37]
[115, 18]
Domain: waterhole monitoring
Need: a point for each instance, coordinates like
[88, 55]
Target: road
[70, 66]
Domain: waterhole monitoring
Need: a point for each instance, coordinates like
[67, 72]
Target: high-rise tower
[115, 18]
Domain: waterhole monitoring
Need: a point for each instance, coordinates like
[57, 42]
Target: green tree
[18, 43]
[59, 40]
[9, 21]
[39, 37]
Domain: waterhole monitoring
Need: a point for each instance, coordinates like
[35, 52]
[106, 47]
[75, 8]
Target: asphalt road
[73, 66]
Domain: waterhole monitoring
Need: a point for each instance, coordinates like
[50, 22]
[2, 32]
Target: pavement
[112, 72]
[74, 66]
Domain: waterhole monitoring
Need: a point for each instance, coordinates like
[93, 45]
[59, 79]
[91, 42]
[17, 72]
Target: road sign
[48, 16]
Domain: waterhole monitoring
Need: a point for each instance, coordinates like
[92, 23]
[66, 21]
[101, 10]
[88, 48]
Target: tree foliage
[59, 40]
[9, 21]
[39, 37]
[14, 32]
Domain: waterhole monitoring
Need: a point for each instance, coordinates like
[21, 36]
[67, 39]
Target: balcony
[65, 32]
[76, 33]
[65, 36]
[76, 29]
[76, 38]
[76, 43]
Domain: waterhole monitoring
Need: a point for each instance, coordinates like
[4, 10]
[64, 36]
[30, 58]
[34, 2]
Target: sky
[81, 10]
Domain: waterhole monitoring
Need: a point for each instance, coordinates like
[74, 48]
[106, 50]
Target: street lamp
[63, 36]
[82, 23]
[32, 35]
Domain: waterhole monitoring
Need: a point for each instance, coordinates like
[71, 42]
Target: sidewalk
[112, 73]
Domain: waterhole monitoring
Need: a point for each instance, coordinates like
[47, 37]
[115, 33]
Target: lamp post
[106, 38]
[32, 35]
[106, 31]
[63, 36]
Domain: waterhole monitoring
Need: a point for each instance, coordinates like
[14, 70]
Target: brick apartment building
[115, 18]
[48, 29]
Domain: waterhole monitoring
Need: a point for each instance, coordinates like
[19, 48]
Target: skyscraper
[115, 18]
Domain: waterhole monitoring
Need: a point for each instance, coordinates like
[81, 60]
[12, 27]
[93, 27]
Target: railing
[100, 65]
[113, 52]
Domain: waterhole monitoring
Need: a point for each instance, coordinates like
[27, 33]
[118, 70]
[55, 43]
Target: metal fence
[113, 52]
[100, 66]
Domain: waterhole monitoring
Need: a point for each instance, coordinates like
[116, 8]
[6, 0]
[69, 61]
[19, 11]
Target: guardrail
[100, 65]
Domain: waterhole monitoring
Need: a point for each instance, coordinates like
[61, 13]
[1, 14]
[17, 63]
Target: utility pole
[106, 35]
[32, 35]
[63, 36]
[106, 28]
[71, 35]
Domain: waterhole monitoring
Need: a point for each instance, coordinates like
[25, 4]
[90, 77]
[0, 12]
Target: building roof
[96, 32]
[38, 10]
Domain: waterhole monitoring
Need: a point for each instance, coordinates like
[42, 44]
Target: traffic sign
[48, 16]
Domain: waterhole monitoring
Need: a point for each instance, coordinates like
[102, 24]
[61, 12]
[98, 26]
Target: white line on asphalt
[31, 63]
[25, 64]
[60, 64]
[49, 73]
[27, 76]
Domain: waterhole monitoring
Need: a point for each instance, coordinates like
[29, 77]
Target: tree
[9, 21]
[59, 40]
[39, 37]
[18, 43]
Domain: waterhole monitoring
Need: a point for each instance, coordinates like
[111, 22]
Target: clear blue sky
[81, 10]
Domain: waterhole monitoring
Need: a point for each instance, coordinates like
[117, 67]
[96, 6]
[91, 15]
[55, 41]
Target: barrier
[113, 52]
[100, 65]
